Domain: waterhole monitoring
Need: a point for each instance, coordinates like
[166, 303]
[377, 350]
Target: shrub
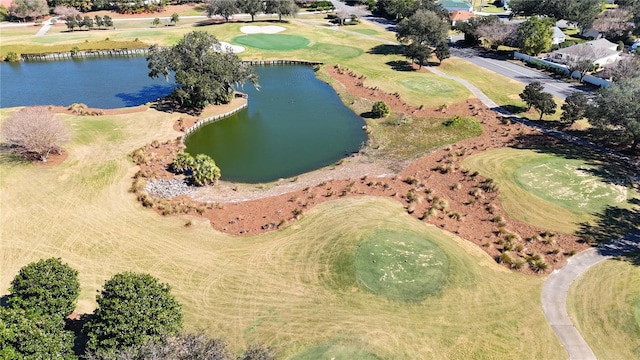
[132, 309]
[35, 132]
[12, 57]
[205, 170]
[539, 266]
[46, 287]
[380, 109]
[183, 162]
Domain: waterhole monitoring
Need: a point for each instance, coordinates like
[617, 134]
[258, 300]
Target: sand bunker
[269, 29]
[234, 48]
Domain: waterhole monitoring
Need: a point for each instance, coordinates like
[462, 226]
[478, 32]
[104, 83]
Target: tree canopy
[224, 8]
[281, 7]
[617, 106]
[580, 12]
[28, 9]
[46, 287]
[205, 72]
[132, 309]
[574, 107]
[535, 35]
[424, 27]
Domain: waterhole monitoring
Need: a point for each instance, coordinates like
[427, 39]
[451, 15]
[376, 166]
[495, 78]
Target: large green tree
[531, 93]
[574, 107]
[46, 287]
[423, 27]
[251, 7]
[281, 7]
[132, 309]
[205, 72]
[28, 9]
[224, 8]
[618, 107]
[535, 35]
[580, 12]
[27, 336]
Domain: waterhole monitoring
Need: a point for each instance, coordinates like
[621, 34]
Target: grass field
[281, 288]
[547, 190]
[604, 304]
[281, 42]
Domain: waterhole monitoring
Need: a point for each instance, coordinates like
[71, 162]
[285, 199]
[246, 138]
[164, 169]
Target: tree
[183, 162]
[132, 309]
[380, 109]
[71, 22]
[205, 72]
[497, 33]
[204, 170]
[442, 51]
[108, 22]
[24, 335]
[99, 21]
[281, 7]
[46, 287]
[545, 105]
[155, 22]
[579, 12]
[574, 108]
[35, 132]
[251, 7]
[470, 28]
[29, 9]
[418, 53]
[531, 93]
[88, 22]
[614, 23]
[625, 68]
[617, 106]
[535, 35]
[224, 8]
[424, 27]
[174, 18]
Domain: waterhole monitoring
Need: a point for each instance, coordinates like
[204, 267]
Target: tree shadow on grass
[612, 223]
[400, 65]
[514, 109]
[386, 49]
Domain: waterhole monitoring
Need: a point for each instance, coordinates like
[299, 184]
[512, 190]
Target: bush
[205, 170]
[12, 57]
[46, 287]
[132, 309]
[183, 162]
[35, 132]
[380, 109]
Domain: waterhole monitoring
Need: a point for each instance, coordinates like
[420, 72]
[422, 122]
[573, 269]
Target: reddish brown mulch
[418, 187]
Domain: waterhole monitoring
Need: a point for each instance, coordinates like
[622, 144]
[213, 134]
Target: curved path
[554, 292]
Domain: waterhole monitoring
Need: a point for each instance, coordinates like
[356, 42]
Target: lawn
[283, 288]
[604, 305]
[548, 190]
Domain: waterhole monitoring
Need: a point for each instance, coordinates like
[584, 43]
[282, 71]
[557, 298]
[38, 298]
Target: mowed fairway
[604, 304]
[548, 190]
[294, 289]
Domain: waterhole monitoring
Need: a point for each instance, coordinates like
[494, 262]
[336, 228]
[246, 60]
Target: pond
[295, 123]
[105, 83]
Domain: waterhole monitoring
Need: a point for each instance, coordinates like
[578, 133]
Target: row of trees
[136, 318]
[79, 21]
[614, 108]
[227, 8]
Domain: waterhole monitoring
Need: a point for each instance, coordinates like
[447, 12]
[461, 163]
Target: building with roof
[558, 36]
[600, 52]
[453, 5]
[460, 16]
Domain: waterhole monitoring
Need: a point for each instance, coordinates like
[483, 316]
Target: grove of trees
[205, 72]
[35, 132]
[580, 12]
[28, 9]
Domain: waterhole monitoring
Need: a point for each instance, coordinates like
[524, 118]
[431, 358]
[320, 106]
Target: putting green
[339, 51]
[334, 352]
[272, 41]
[429, 86]
[568, 183]
[400, 265]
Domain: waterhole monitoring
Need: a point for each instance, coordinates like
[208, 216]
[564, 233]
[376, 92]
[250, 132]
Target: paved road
[516, 72]
[554, 292]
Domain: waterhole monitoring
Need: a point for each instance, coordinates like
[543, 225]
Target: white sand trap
[234, 48]
[269, 29]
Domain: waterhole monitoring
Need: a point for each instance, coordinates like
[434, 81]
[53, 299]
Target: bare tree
[497, 33]
[65, 11]
[625, 68]
[35, 132]
[614, 22]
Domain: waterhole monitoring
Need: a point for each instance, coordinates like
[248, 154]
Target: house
[591, 33]
[453, 5]
[558, 36]
[600, 52]
[460, 16]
